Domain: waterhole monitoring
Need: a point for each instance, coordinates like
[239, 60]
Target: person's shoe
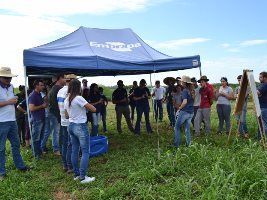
[57, 153]
[69, 171]
[65, 169]
[219, 132]
[25, 169]
[76, 178]
[87, 179]
[2, 177]
[246, 136]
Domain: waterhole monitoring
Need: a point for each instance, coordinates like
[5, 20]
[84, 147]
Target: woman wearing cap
[75, 109]
[223, 96]
[185, 112]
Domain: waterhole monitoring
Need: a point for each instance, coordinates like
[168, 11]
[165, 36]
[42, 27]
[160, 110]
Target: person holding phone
[8, 124]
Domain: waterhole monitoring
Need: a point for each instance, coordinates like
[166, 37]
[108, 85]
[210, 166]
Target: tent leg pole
[200, 71]
[27, 103]
[152, 103]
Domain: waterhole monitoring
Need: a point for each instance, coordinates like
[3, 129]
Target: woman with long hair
[185, 112]
[223, 96]
[96, 100]
[75, 108]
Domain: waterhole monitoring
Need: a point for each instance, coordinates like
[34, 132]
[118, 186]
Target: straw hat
[203, 78]
[70, 76]
[167, 80]
[6, 72]
[186, 79]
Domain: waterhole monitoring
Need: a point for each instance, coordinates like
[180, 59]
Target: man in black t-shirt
[141, 96]
[120, 98]
[132, 101]
[54, 114]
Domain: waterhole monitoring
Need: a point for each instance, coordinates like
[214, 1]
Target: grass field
[209, 169]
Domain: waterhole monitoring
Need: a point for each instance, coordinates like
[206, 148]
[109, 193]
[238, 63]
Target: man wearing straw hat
[206, 100]
[8, 124]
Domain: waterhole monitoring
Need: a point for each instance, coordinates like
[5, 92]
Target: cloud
[238, 46]
[176, 44]
[232, 66]
[61, 8]
[225, 45]
[22, 32]
[249, 43]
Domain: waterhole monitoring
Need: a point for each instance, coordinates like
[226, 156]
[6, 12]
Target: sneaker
[69, 171]
[25, 169]
[88, 179]
[57, 153]
[246, 136]
[76, 178]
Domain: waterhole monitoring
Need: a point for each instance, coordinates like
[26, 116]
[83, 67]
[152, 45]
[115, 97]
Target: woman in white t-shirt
[223, 96]
[75, 107]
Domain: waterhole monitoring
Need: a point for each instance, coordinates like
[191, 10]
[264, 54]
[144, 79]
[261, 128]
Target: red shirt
[211, 88]
[206, 96]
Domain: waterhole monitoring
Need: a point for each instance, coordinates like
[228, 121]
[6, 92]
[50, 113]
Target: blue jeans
[158, 109]
[264, 119]
[170, 111]
[140, 109]
[66, 148]
[183, 118]
[37, 133]
[9, 130]
[80, 138]
[46, 133]
[54, 129]
[96, 118]
[243, 129]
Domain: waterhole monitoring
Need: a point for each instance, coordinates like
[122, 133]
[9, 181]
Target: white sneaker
[76, 178]
[88, 179]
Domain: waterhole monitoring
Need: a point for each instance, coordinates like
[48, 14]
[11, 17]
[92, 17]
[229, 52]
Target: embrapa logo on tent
[195, 63]
[115, 46]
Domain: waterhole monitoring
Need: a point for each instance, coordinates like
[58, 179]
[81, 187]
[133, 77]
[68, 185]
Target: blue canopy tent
[102, 52]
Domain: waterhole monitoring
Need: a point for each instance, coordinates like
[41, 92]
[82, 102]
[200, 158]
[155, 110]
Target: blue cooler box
[98, 145]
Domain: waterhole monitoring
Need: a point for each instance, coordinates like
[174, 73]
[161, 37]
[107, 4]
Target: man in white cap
[8, 124]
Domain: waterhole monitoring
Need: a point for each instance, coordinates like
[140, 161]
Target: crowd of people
[65, 108]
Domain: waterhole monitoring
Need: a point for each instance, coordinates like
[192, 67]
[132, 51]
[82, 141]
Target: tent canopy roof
[102, 52]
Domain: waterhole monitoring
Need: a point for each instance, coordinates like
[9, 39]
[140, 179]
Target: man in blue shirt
[37, 107]
[262, 94]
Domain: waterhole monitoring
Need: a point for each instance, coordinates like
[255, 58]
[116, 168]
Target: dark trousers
[140, 109]
[158, 109]
[133, 106]
[224, 112]
[125, 111]
[170, 111]
[104, 119]
[21, 128]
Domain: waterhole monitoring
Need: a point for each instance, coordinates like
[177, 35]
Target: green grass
[209, 169]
